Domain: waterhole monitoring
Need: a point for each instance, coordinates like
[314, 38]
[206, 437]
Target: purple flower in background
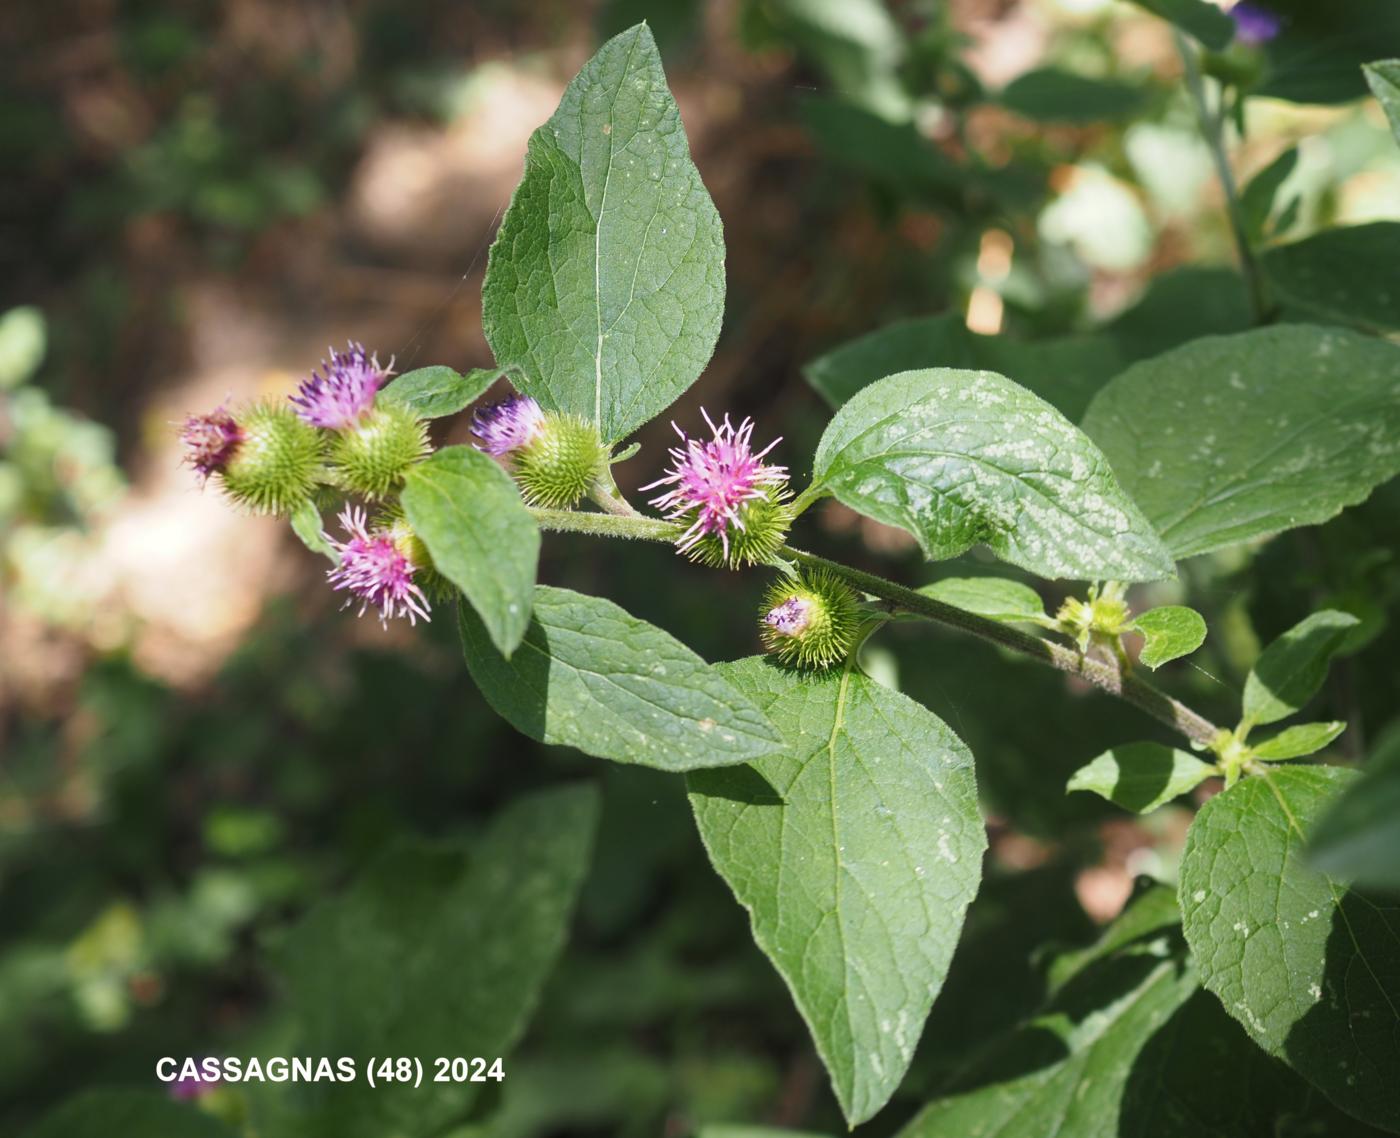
[1255, 24]
[374, 569]
[185, 1088]
[344, 394]
[714, 479]
[191, 1085]
[508, 425]
[210, 441]
[791, 617]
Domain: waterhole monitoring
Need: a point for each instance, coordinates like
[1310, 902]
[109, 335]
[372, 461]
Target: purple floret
[342, 392]
[508, 425]
[1255, 24]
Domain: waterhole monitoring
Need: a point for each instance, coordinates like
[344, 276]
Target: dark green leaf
[128, 1114]
[962, 458]
[894, 153]
[481, 537]
[1169, 632]
[1231, 438]
[1346, 274]
[1289, 671]
[435, 392]
[1204, 21]
[1051, 95]
[1321, 47]
[306, 524]
[1065, 372]
[1383, 77]
[1359, 838]
[1180, 305]
[993, 597]
[1142, 776]
[1200, 1074]
[437, 949]
[606, 283]
[1295, 742]
[1062, 1074]
[1257, 199]
[856, 43]
[1309, 968]
[1151, 911]
[722, 1131]
[591, 676]
[856, 850]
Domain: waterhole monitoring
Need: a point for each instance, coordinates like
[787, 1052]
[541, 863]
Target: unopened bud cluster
[273, 457]
[1099, 619]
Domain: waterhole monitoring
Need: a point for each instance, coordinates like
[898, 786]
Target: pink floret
[710, 481]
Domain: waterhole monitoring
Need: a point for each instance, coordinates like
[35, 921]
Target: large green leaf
[856, 850]
[437, 391]
[606, 282]
[1290, 671]
[469, 514]
[1309, 968]
[1359, 837]
[1230, 438]
[1142, 776]
[1383, 77]
[1063, 1073]
[128, 1114]
[437, 949]
[1204, 21]
[962, 458]
[1345, 274]
[590, 675]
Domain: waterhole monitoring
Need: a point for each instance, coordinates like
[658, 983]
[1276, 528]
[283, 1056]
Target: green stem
[1212, 130]
[1104, 675]
[605, 494]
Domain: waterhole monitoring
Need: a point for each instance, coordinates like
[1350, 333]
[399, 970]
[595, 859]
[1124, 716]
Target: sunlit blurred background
[199, 198]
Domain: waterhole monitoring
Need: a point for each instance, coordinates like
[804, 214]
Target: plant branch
[1212, 130]
[1105, 675]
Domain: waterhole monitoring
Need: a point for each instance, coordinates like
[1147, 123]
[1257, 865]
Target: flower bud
[210, 441]
[372, 457]
[1101, 618]
[276, 463]
[561, 461]
[812, 621]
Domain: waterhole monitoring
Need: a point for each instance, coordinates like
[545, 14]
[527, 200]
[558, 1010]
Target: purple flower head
[1255, 24]
[188, 1087]
[791, 617]
[210, 441]
[342, 396]
[508, 425]
[373, 568]
[714, 479]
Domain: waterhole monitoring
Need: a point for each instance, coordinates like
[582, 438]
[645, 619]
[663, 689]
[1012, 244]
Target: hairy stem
[1212, 124]
[1103, 674]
